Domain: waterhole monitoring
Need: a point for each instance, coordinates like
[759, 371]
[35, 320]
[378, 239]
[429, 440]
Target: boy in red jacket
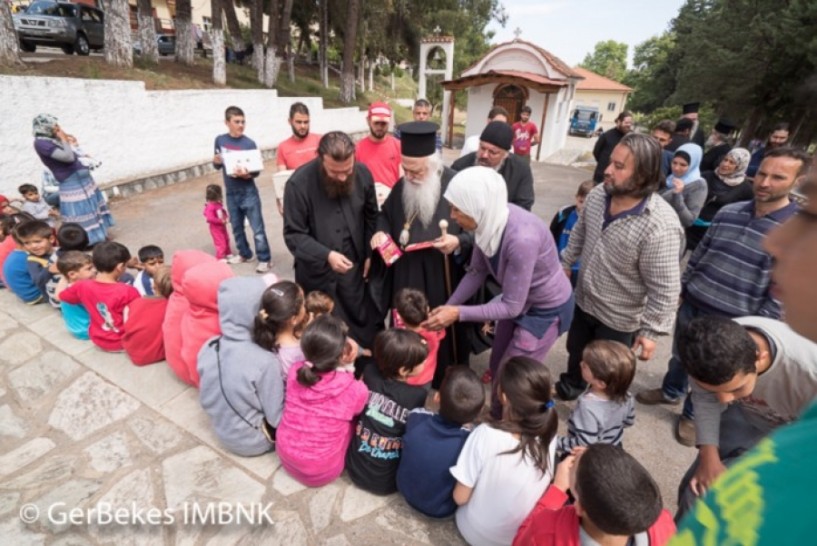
[622, 503]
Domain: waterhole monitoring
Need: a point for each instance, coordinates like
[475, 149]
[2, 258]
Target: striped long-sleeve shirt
[729, 272]
[596, 420]
[630, 276]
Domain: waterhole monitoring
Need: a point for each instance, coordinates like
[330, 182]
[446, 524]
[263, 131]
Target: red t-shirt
[433, 340]
[105, 303]
[523, 134]
[382, 158]
[143, 340]
[293, 153]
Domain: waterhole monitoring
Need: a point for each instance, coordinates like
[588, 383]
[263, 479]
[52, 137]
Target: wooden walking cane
[444, 230]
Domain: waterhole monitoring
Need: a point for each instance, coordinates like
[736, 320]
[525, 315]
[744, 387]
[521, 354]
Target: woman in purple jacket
[80, 199]
[516, 248]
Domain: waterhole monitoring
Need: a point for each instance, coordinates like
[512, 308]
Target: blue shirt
[431, 446]
[76, 319]
[18, 279]
[729, 273]
[226, 143]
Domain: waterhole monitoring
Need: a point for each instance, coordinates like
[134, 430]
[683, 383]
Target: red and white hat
[379, 111]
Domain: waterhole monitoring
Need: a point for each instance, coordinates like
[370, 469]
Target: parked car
[75, 28]
[165, 42]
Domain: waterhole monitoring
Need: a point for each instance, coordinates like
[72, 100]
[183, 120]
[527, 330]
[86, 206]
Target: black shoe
[567, 392]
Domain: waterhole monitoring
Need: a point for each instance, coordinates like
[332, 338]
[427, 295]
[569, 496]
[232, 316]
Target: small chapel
[511, 75]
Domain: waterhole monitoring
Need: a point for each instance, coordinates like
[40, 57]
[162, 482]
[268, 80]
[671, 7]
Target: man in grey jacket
[749, 376]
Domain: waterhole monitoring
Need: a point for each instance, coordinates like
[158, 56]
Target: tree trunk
[347, 77]
[361, 74]
[185, 42]
[233, 27]
[217, 39]
[323, 39]
[291, 64]
[9, 45]
[371, 76]
[118, 46]
[257, 29]
[271, 59]
[147, 31]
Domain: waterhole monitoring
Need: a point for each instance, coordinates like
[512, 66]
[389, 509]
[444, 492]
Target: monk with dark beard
[411, 214]
[330, 214]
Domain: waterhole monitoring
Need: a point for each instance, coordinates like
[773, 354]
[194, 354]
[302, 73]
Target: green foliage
[609, 59]
[652, 77]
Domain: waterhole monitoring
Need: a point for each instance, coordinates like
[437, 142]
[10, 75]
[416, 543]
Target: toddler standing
[322, 401]
[506, 465]
[411, 309]
[374, 453]
[605, 408]
[217, 219]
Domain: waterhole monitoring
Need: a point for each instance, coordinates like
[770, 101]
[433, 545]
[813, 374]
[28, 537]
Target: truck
[584, 121]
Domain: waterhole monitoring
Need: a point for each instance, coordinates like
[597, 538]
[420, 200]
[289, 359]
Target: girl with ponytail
[280, 322]
[322, 400]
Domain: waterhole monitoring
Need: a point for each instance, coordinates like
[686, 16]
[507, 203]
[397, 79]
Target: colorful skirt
[82, 202]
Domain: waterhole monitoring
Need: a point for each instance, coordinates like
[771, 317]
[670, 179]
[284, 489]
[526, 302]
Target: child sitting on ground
[36, 206]
[143, 341]
[71, 236]
[617, 502]
[284, 321]
[104, 297]
[38, 240]
[8, 243]
[410, 310]
[564, 220]
[151, 258]
[16, 270]
[322, 401]
[506, 465]
[74, 266]
[433, 442]
[239, 374]
[374, 453]
[217, 219]
[605, 408]
[318, 303]
[7, 207]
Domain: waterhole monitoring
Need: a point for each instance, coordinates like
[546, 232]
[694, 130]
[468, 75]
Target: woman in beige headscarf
[516, 248]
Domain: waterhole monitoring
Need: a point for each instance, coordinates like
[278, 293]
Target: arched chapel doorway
[511, 98]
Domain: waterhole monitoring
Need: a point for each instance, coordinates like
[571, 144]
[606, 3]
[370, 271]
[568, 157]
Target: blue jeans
[676, 381]
[246, 203]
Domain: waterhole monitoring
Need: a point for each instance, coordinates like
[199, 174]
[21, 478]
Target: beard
[627, 188]
[421, 198]
[299, 134]
[478, 163]
[335, 189]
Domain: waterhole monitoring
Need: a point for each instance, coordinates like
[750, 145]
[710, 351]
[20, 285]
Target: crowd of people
[361, 363]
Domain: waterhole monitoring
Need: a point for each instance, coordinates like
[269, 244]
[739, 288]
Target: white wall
[135, 132]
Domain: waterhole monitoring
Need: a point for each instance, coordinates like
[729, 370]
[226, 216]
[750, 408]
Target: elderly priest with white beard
[412, 214]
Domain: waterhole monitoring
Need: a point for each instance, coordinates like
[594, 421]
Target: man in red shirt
[300, 148]
[380, 151]
[525, 134]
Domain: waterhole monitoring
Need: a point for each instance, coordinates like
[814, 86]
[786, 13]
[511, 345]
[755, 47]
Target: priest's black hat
[418, 138]
[691, 107]
[725, 126]
[499, 134]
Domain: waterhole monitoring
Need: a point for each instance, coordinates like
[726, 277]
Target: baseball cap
[379, 111]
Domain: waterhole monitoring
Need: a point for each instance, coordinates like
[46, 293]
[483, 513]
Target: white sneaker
[263, 267]
[237, 259]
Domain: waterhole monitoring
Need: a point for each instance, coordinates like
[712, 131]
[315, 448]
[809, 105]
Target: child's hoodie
[250, 374]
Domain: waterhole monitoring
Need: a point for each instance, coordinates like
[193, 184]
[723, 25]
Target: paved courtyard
[82, 429]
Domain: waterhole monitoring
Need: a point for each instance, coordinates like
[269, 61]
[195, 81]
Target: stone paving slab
[83, 428]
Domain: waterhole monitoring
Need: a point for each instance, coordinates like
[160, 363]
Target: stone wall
[150, 137]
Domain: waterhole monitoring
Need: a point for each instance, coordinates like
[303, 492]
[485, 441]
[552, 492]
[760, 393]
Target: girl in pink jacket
[217, 219]
[322, 400]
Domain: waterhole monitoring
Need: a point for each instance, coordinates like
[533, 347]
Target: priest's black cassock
[425, 269]
[314, 225]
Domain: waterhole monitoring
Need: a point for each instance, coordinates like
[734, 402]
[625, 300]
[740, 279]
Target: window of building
[206, 23]
[611, 107]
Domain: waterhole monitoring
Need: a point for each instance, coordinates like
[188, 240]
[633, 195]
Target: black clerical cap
[691, 107]
[725, 126]
[499, 134]
[418, 138]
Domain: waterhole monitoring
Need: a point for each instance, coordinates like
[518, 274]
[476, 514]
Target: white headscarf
[481, 193]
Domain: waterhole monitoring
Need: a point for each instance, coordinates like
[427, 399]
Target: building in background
[597, 92]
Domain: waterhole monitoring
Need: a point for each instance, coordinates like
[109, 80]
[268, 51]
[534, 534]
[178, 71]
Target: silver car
[71, 27]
